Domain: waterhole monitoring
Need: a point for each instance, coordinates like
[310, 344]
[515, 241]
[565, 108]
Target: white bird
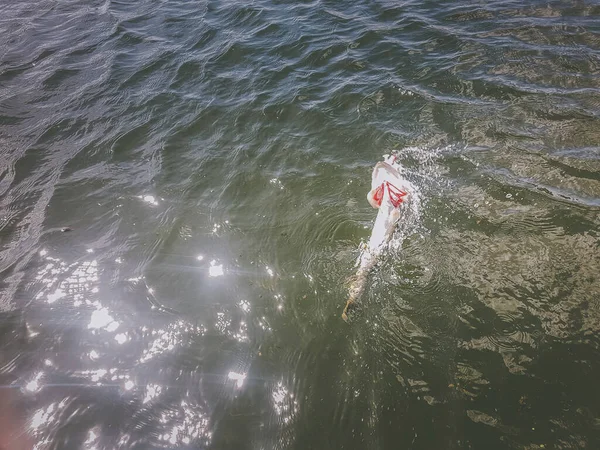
[389, 191]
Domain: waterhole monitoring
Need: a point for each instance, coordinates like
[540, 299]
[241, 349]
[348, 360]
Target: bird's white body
[388, 193]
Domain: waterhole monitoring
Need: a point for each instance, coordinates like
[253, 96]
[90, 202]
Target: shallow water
[211, 160]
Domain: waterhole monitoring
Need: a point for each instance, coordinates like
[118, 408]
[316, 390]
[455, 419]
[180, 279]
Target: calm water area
[182, 203]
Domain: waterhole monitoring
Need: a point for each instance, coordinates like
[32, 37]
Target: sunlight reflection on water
[182, 195]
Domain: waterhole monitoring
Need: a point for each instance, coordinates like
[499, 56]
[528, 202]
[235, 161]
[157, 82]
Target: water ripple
[182, 195]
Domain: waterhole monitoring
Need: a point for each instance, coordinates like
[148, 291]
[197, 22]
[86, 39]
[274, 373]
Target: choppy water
[212, 160]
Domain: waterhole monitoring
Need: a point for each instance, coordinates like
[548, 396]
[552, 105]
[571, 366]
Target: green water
[211, 161]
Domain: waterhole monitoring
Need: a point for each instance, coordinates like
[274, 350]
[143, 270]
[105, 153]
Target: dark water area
[182, 202]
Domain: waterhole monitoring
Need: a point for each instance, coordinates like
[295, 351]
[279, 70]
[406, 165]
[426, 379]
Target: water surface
[211, 160]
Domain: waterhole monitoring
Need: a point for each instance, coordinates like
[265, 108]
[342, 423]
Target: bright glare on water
[183, 200]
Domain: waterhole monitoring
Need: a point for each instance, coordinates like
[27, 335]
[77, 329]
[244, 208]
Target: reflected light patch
[97, 374]
[223, 322]
[42, 416]
[215, 270]
[152, 390]
[31, 333]
[92, 436]
[102, 319]
[81, 280]
[279, 299]
[242, 334]
[245, 305]
[34, 385]
[56, 295]
[42, 421]
[166, 340]
[129, 385]
[121, 338]
[92, 439]
[149, 199]
[276, 182]
[186, 423]
[264, 325]
[283, 402]
[239, 378]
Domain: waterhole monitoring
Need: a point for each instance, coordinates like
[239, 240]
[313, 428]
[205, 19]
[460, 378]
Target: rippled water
[211, 160]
